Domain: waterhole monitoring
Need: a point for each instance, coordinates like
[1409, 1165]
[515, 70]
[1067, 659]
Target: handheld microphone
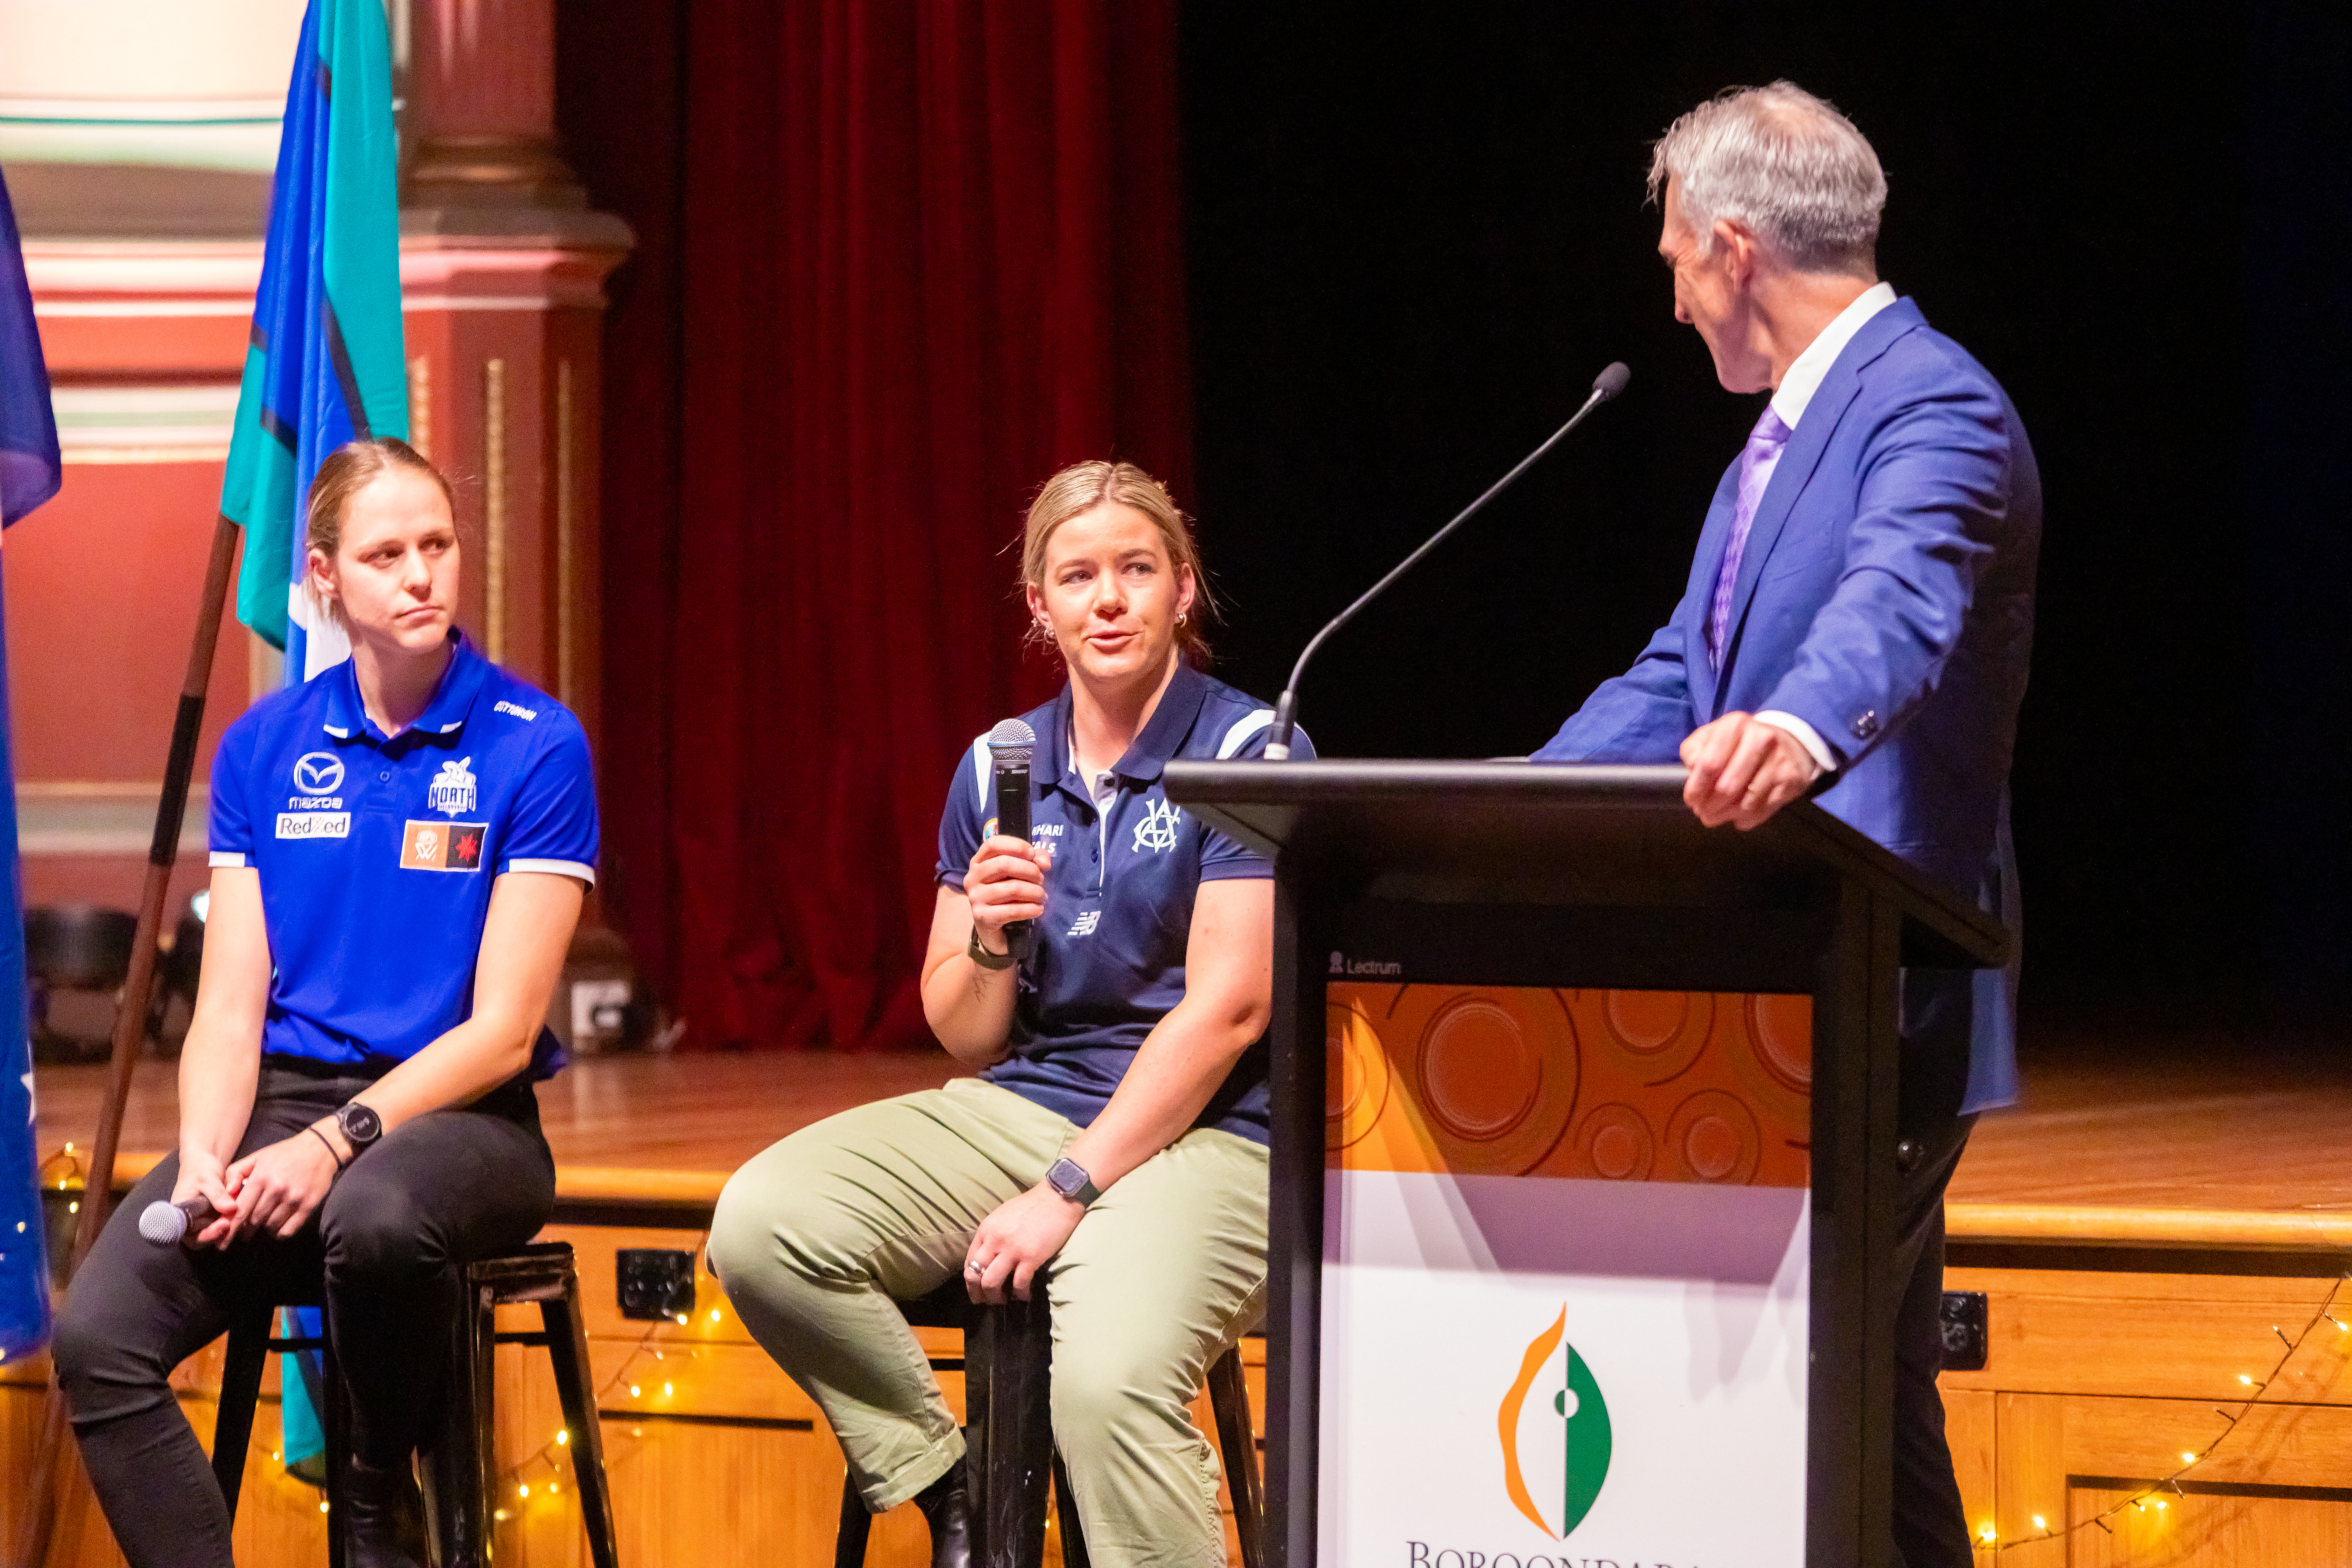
[1010, 746]
[1606, 385]
[164, 1222]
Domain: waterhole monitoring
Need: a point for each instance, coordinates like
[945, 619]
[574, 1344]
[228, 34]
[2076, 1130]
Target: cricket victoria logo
[1554, 1425]
[1156, 832]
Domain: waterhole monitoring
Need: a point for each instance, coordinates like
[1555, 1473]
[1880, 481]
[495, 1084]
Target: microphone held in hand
[1606, 385]
[1010, 746]
[164, 1222]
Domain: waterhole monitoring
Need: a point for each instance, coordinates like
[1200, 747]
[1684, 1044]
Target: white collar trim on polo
[1809, 368]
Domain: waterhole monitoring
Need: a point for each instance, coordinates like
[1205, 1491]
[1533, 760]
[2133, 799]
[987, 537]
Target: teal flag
[326, 364]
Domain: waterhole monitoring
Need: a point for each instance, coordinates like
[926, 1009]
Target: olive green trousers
[817, 1239]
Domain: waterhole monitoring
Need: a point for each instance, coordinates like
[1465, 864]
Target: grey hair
[1784, 162]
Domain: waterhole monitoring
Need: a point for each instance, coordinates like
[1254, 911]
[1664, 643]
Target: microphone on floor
[164, 1222]
[1010, 746]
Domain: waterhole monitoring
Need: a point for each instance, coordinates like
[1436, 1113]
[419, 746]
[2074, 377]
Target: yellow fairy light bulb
[714, 1314]
[501, 1516]
[2160, 1504]
[681, 1320]
[554, 1487]
[2187, 1457]
[666, 1391]
[1985, 1532]
[562, 1437]
[633, 1390]
[2040, 1524]
[322, 1505]
[2244, 1379]
[523, 1492]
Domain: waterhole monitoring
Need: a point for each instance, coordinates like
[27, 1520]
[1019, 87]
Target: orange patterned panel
[1519, 1080]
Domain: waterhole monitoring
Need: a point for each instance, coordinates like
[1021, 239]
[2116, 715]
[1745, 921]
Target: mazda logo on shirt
[318, 773]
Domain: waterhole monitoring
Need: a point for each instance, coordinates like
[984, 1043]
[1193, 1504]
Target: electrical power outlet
[1968, 1332]
[655, 1282]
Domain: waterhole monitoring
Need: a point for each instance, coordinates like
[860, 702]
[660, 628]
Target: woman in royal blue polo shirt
[1116, 1135]
[400, 846]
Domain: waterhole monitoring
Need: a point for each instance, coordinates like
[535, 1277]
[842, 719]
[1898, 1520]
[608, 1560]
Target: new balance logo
[1085, 925]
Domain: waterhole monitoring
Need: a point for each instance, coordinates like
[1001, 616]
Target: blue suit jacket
[1885, 597]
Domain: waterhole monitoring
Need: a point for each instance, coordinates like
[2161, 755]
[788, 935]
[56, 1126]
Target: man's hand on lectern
[1742, 771]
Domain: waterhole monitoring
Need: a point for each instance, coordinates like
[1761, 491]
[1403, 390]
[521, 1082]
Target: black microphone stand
[1605, 385]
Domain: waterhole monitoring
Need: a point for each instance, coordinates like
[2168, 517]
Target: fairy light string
[64, 1170]
[516, 1483]
[2152, 1494]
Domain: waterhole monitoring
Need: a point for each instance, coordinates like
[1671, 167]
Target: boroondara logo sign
[1555, 1448]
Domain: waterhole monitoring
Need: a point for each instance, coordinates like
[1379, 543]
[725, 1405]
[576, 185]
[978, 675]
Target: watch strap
[986, 959]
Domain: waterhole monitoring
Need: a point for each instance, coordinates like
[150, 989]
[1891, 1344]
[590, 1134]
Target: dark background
[1414, 234]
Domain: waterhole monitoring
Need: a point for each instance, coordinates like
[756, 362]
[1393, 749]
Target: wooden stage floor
[2174, 1126]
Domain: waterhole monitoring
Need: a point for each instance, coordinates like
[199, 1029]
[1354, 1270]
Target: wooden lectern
[1492, 946]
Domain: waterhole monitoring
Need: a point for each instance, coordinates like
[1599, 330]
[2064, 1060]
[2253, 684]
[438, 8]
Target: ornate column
[502, 269]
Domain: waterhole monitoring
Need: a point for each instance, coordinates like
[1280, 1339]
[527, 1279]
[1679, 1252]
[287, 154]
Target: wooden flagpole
[130, 1013]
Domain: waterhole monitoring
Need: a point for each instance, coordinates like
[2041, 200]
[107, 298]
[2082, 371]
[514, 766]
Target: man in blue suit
[1859, 620]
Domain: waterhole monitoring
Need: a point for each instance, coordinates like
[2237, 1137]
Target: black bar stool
[249, 1344]
[461, 1472]
[1008, 1366]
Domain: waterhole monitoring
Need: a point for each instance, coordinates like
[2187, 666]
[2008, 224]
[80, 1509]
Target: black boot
[946, 1508]
[384, 1517]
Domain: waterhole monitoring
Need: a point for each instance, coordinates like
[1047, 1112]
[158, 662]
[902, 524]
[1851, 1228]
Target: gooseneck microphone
[1605, 385]
[1010, 746]
[164, 1222]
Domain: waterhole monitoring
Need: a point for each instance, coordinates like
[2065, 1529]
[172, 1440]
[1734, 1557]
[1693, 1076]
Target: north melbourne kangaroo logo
[1556, 1444]
[1157, 831]
[453, 788]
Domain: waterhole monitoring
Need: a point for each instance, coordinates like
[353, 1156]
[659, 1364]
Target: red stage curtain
[899, 261]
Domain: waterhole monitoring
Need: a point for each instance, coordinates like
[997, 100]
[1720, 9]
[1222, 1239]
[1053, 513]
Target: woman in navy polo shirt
[400, 846]
[1117, 1128]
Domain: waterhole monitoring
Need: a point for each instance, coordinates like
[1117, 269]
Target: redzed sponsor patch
[442, 845]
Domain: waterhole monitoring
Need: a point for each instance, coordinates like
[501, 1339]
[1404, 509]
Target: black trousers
[1930, 1530]
[388, 1242]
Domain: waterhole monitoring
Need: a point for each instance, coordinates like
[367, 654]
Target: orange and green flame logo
[1563, 1439]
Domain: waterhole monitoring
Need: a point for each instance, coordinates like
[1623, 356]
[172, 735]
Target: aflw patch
[442, 845]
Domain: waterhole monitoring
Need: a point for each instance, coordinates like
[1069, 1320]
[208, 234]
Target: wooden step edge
[615, 1185]
[2073, 1225]
[2020, 1225]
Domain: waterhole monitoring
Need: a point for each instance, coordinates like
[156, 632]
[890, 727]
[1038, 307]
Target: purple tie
[1757, 461]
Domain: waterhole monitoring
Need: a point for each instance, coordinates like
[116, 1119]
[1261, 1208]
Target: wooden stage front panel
[2141, 1229]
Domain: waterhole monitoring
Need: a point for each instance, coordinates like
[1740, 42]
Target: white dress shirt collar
[1806, 372]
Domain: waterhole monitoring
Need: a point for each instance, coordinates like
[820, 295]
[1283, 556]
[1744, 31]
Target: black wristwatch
[986, 959]
[361, 1127]
[1070, 1180]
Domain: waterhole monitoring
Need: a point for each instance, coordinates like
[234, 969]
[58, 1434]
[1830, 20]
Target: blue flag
[30, 473]
[326, 362]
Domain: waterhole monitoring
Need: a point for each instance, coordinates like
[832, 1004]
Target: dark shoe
[384, 1517]
[946, 1508]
